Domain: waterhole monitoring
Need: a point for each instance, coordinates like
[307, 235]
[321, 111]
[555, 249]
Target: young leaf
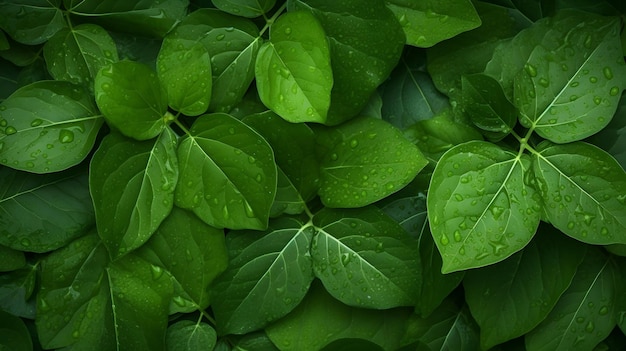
[585, 313]
[426, 23]
[132, 99]
[293, 72]
[41, 213]
[572, 92]
[16, 292]
[510, 298]
[31, 22]
[184, 68]
[13, 333]
[193, 252]
[50, 141]
[365, 259]
[320, 320]
[227, 173]
[132, 184]
[268, 275]
[583, 190]
[366, 160]
[76, 54]
[245, 8]
[480, 208]
[186, 335]
[366, 42]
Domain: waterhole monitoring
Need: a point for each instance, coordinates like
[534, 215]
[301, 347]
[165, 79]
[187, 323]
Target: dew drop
[225, 212]
[66, 136]
[444, 240]
[458, 197]
[10, 130]
[589, 327]
[75, 334]
[614, 91]
[530, 69]
[496, 211]
[603, 310]
[334, 157]
[604, 231]
[106, 87]
[544, 82]
[608, 73]
[573, 98]
[220, 37]
[481, 255]
[288, 30]
[36, 122]
[259, 177]
[25, 242]
[179, 301]
[457, 236]
[157, 272]
[285, 73]
[354, 143]
[249, 210]
[597, 100]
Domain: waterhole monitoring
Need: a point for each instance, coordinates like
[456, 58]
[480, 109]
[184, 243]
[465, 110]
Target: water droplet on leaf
[66, 136]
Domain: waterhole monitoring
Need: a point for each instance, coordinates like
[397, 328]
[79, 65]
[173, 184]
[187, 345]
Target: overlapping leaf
[245, 8]
[186, 335]
[33, 21]
[17, 289]
[14, 334]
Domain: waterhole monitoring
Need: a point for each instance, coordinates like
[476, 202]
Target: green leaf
[268, 275]
[132, 99]
[366, 160]
[32, 21]
[512, 297]
[572, 92]
[320, 319]
[293, 72]
[77, 54]
[487, 106]
[227, 173]
[365, 41]
[186, 335]
[41, 213]
[11, 259]
[482, 211]
[193, 252]
[14, 335]
[427, 23]
[184, 68]
[47, 126]
[254, 341]
[583, 190]
[245, 8]
[365, 259]
[585, 313]
[16, 292]
[132, 184]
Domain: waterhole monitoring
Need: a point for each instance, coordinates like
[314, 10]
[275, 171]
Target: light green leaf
[512, 297]
[320, 319]
[227, 173]
[184, 68]
[426, 23]
[47, 126]
[14, 335]
[31, 21]
[366, 42]
[365, 160]
[583, 190]
[132, 99]
[245, 8]
[586, 312]
[76, 54]
[41, 213]
[186, 335]
[16, 291]
[193, 252]
[132, 184]
[268, 275]
[482, 211]
[293, 72]
[571, 92]
[365, 259]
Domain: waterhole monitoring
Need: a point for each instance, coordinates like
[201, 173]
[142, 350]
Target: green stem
[182, 126]
[207, 316]
[270, 21]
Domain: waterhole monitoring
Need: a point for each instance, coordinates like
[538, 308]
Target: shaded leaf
[33, 21]
[186, 335]
[245, 8]
[16, 292]
[13, 333]
[11, 259]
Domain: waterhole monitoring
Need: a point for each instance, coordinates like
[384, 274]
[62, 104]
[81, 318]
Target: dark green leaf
[76, 54]
[366, 42]
[132, 184]
[47, 126]
[192, 252]
[228, 173]
[254, 341]
[245, 8]
[11, 259]
[132, 99]
[4, 42]
[31, 21]
[268, 275]
[426, 23]
[366, 160]
[482, 211]
[510, 298]
[186, 335]
[293, 71]
[365, 259]
[16, 291]
[533, 10]
[14, 335]
[184, 68]
[585, 313]
[41, 213]
[21, 55]
[584, 191]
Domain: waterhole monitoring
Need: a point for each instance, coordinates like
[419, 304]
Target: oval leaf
[227, 173]
[13, 333]
[47, 126]
[482, 211]
[186, 335]
[132, 184]
[32, 22]
[245, 8]
[132, 99]
[293, 72]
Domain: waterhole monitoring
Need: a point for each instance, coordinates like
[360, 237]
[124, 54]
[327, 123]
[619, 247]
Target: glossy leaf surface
[31, 22]
[245, 8]
[186, 335]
